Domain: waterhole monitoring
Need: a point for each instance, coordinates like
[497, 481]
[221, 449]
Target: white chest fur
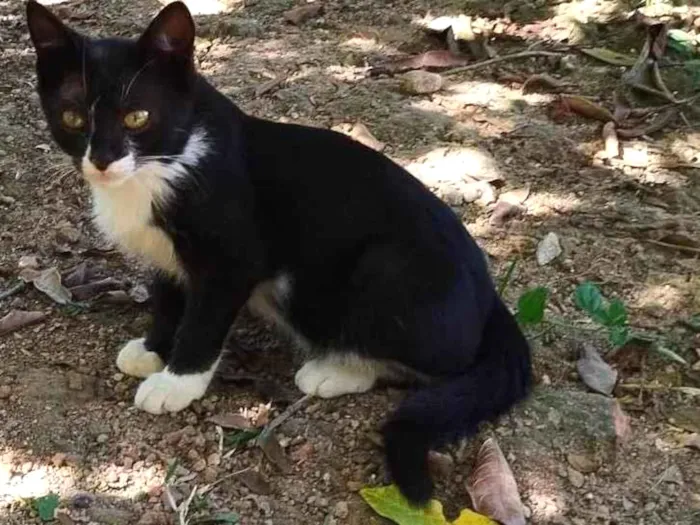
[125, 215]
[124, 210]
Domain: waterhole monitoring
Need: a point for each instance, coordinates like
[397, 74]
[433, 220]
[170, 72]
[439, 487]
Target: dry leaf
[612, 144]
[77, 275]
[301, 14]
[273, 451]
[492, 486]
[87, 291]
[544, 82]
[610, 57]
[49, 282]
[441, 59]
[503, 211]
[516, 196]
[661, 121]
[17, 319]
[256, 482]
[584, 107]
[232, 420]
[621, 421]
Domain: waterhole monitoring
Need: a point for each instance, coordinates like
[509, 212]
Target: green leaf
[610, 57]
[170, 473]
[230, 518]
[240, 437]
[588, 298]
[45, 506]
[531, 305]
[388, 502]
[618, 335]
[617, 313]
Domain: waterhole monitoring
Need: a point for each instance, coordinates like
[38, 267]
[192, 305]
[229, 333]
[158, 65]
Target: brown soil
[67, 422]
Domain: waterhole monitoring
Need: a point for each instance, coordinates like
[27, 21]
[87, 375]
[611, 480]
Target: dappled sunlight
[363, 44]
[543, 204]
[208, 7]
[663, 295]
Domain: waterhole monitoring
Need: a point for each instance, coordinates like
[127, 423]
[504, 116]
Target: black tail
[499, 378]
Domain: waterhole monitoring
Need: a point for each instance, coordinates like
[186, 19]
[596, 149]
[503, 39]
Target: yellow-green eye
[136, 119]
[72, 119]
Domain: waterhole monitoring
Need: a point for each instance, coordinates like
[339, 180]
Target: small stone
[82, 501]
[595, 372]
[421, 82]
[67, 233]
[627, 504]
[214, 460]
[503, 212]
[548, 249]
[127, 462]
[582, 463]
[341, 510]
[210, 474]
[58, 459]
[575, 477]
[199, 465]
[5, 391]
[102, 438]
[28, 261]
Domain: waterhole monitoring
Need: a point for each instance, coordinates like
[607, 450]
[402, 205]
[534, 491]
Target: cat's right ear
[170, 34]
[46, 30]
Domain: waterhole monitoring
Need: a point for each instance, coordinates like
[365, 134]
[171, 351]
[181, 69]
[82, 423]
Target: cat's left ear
[46, 30]
[171, 33]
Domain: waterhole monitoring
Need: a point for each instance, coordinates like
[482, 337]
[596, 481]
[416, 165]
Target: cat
[374, 275]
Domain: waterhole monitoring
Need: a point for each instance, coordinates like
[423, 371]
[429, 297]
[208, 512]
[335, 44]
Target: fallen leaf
[492, 486]
[431, 60]
[273, 451]
[544, 82]
[46, 506]
[548, 249]
[687, 418]
[77, 275]
[301, 14]
[87, 291]
[612, 144]
[584, 107]
[621, 422]
[17, 319]
[516, 196]
[421, 83]
[610, 57]
[231, 420]
[389, 503]
[256, 482]
[49, 282]
[598, 375]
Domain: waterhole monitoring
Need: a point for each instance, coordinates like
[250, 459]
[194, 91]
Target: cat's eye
[136, 119]
[72, 119]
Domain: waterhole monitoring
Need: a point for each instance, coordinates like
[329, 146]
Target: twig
[505, 281]
[208, 488]
[13, 290]
[522, 54]
[678, 247]
[284, 416]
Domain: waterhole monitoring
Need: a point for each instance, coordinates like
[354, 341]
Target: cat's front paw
[167, 392]
[329, 377]
[136, 360]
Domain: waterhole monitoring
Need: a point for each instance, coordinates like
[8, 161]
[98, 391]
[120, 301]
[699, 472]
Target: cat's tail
[500, 377]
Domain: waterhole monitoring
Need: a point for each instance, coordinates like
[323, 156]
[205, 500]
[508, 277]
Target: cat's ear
[46, 30]
[170, 33]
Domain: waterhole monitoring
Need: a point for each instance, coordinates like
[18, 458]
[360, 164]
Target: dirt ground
[67, 424]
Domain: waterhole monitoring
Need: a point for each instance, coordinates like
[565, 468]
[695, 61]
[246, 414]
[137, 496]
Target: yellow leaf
[388, 502]
[469, 517]
[610, 57]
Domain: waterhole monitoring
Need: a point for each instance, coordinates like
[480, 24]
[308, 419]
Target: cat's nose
[102, 162]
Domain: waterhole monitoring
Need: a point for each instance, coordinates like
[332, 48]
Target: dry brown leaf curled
[586, 108]
[492, 486]
[17, 319]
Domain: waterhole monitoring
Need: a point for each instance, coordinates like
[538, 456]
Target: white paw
[136, 361]
[332, 377]
[167, 392]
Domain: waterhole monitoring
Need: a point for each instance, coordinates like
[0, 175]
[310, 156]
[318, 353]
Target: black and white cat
[374, 275]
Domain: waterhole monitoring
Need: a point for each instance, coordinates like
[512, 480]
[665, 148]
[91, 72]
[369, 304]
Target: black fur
[379, 265]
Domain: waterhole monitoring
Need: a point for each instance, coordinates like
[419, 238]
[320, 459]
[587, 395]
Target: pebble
[583, 463]
[58, 459]
[102, 438]
[214, 460]
[421, 82]
[5, 391]
[341, 510]
[575, 477]
[199, 465]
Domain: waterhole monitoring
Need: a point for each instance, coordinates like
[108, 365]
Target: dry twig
[496, 60]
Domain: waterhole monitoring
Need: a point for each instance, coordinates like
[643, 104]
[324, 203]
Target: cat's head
[115, 105]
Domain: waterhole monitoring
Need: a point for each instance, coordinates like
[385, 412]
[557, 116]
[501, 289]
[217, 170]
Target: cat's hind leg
[336, 374]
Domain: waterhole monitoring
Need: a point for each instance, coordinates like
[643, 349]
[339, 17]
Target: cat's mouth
[114, 174]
